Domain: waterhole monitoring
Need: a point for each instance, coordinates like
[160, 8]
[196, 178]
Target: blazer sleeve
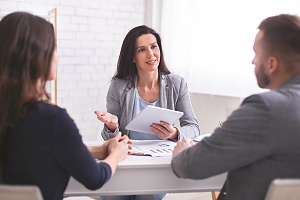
[241, 140]
[189, 126]
[72, 155]
[112, 106]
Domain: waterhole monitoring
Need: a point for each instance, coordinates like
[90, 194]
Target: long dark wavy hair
[126, 69]
[27, 44]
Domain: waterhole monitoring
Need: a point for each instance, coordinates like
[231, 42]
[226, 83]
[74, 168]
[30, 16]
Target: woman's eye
[154, 46]
[141, 50]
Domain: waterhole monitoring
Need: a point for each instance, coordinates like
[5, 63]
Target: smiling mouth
[151, 62]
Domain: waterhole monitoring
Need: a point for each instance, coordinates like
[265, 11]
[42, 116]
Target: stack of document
[154, 148]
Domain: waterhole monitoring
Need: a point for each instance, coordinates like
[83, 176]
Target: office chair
[284, 189]
[20, 192]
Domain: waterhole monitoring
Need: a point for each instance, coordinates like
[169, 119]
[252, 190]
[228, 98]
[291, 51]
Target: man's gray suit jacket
[259, 142]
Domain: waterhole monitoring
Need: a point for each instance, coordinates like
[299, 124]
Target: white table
[146, 175]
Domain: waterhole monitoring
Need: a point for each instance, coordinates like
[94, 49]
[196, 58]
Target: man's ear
[273, 65]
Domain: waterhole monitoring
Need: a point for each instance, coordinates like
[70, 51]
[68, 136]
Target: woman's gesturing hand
[111, 121]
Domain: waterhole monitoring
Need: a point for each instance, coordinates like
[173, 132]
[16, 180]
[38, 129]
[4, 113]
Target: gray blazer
[174, 95]
[256, 144]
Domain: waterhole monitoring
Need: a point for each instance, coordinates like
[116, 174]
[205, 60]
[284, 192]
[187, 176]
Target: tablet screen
[150, 115]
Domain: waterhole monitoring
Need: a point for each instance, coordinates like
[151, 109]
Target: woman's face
[53, 66]
[147, 53]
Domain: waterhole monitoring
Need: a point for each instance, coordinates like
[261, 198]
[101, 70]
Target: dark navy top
[45, 148]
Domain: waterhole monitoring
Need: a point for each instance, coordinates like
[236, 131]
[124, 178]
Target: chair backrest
[284, 189]
[20, 192]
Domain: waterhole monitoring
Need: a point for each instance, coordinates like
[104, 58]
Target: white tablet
[150, 115]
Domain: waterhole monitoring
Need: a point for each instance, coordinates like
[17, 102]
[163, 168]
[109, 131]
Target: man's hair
[281, 39]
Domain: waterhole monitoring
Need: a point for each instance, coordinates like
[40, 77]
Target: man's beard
[262, 79]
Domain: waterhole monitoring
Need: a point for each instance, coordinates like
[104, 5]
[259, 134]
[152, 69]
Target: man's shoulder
[274, 97]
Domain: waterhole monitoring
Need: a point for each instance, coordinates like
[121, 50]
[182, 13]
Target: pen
[139, 154]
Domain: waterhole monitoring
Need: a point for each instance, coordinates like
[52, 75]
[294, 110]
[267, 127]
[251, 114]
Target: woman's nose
[150, 53]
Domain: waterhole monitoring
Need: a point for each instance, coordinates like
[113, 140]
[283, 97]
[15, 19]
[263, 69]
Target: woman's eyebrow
[144, 46]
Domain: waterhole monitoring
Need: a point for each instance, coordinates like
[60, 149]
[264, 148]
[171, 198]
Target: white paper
[154, 148]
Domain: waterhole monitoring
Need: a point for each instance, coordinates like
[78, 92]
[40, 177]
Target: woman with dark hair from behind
[39, 142]
[142, 78]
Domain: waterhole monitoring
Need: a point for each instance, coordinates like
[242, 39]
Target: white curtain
[210, 43]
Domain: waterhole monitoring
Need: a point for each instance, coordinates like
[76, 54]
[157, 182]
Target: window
[209, 43]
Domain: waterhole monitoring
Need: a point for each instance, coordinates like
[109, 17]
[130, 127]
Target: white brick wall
[90, 34]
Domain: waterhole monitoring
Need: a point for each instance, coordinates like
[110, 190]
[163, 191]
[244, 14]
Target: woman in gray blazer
[142, 79]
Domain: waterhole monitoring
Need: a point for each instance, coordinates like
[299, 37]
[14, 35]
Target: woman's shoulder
[120, 84]
[48, 109]
[119, 80]
[173, 79]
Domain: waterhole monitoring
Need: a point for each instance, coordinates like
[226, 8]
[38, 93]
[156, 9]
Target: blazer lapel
[129, 101]
[163, 91]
